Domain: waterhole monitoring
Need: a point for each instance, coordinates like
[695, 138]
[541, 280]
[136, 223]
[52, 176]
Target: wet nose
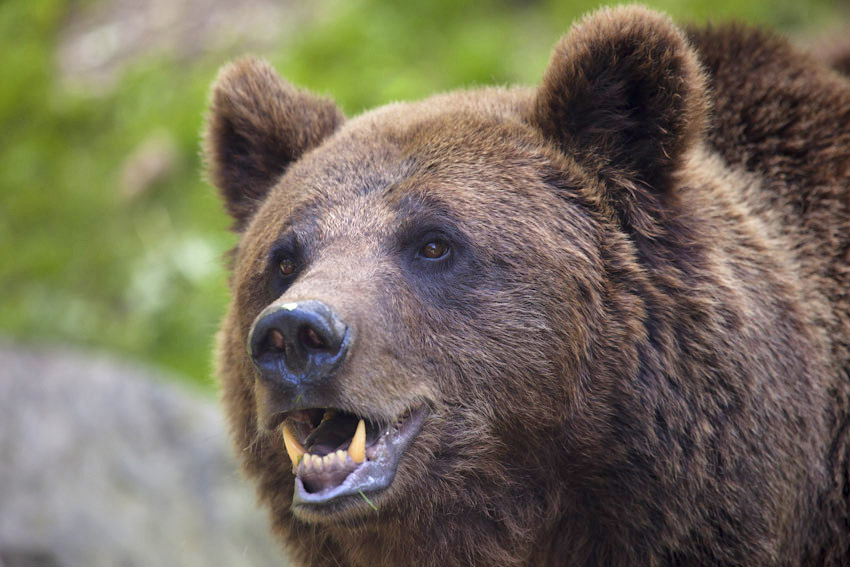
[298, 342]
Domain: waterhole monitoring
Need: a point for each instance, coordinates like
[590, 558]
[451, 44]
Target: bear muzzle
[336, 452]
[296, 347]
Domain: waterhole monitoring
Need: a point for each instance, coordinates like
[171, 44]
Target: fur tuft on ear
[624, 93]
[259, 124]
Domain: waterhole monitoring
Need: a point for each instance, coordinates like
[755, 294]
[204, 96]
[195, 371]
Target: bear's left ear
[258, 125]
[624, 93]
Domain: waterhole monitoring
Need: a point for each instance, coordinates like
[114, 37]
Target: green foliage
[83, 261]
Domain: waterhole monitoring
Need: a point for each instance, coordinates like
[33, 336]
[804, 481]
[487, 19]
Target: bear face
[403, 253]
[524, 326]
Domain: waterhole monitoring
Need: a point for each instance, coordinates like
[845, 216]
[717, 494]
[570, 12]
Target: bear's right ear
[259, 124]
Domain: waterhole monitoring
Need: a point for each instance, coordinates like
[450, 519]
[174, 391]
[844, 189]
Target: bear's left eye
[435, 250]
[287, 266]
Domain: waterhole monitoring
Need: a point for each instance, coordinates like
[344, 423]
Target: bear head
[470, 330]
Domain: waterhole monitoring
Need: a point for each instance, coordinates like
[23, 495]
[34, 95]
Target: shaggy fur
[639, 351]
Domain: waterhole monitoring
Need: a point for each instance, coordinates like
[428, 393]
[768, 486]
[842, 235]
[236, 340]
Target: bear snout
[296, 346]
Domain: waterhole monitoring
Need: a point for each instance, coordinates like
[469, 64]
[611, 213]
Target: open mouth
[336, 453]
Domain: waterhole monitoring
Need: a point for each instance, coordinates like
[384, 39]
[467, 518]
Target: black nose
[298, 342]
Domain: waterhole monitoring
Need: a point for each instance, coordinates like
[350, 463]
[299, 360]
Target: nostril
[277, 342]
[273, 343]
[311, 339]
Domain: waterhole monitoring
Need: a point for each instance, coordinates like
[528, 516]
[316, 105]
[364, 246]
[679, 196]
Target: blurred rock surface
[103, 463]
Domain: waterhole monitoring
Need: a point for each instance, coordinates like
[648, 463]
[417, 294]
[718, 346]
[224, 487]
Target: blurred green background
[110, 238]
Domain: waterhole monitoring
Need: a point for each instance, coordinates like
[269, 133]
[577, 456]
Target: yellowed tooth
[317, 463]
[340, 455]
[326, 461]
[357, 449]
[293, 447]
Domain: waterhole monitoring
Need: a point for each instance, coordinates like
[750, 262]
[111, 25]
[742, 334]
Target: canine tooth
[293, 447]
[357, 449]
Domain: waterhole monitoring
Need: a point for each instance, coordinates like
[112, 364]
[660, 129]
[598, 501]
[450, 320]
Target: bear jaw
[342, 481]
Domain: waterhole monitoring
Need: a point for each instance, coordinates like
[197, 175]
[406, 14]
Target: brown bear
[603, 321]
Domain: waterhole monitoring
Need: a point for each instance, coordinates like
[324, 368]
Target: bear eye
[287, 266]
[435, 250]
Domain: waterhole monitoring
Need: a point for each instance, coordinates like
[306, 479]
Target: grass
[83, 261]
[369, 502]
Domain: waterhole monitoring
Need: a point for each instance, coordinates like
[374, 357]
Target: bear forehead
[447, 155]
[467, 127]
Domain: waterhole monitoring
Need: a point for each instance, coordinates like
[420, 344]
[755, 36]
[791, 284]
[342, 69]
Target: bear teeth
[357, 449]
[293, 447]
[317, 464]
[298, 455]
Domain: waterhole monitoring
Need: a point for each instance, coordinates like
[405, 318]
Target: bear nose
[298, 342]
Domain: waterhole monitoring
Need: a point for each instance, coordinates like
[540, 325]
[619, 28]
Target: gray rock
[103, 463]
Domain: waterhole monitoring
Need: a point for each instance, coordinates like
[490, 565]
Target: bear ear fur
[625, 95]
[259, 124]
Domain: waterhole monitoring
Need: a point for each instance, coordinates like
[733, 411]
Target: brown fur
[835, 51]
[640, 352]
